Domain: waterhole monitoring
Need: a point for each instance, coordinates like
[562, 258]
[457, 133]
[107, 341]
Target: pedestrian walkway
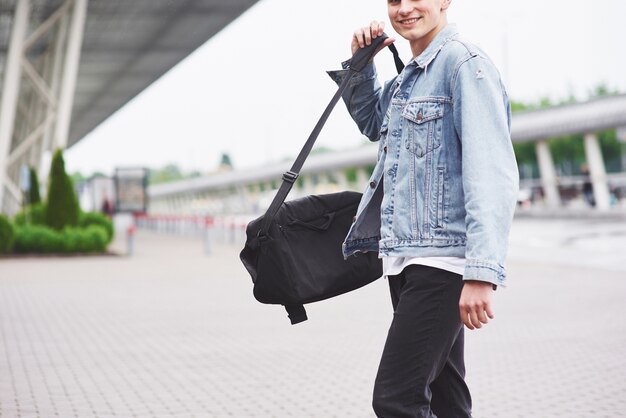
[172, 332]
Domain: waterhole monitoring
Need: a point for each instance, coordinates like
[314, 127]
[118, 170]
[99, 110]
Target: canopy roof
[127, 45]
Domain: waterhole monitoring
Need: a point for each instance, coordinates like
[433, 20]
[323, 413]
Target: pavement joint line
[171, 332]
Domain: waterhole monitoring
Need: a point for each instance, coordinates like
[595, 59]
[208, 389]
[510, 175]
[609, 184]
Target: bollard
[207, 236]
[232, 229]
[130, 240]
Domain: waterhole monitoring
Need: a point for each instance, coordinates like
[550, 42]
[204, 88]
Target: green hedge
[93, 238]
[31, 214]
[32, 235]
[87, 219]
[37, 239]
[7, 235]
[34, 215]
[57, 226]
[41, 239]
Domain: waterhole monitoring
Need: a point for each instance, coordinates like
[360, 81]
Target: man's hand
[475, 303]
[363, 36]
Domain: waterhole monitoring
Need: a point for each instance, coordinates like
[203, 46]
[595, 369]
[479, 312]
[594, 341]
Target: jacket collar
[431, 51]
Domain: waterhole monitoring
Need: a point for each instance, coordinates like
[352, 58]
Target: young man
[438, 207]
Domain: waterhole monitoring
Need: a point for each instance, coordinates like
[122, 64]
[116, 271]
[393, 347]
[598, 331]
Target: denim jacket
[446, 179]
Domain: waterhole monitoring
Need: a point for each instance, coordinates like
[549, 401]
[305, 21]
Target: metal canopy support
[38, 91]
[70, 67]
[597, 172]
[548, 175]
[9, 100]
[55, 77]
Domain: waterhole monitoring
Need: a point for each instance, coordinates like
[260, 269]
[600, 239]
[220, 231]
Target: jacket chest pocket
[424, 126]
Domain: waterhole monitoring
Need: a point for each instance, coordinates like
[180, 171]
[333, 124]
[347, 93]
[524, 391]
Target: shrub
[37, 239]
[31, 214]
[33, 194]
[62, 207]
[85, 240]
[7, 235]
[96, 218]
[42, 239]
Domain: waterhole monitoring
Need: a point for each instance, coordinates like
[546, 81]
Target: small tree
[226, 162]
[7, 235]
[33, 194]
[62, 206]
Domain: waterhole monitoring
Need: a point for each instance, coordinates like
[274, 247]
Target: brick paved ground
[174, 333]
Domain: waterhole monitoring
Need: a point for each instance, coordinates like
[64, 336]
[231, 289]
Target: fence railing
[210, 229]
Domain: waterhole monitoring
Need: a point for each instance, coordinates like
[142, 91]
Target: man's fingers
[489, 311]
[358, 38]
[475, 303]
[465, 318]
[363, 36]
[377, 28]
[475, 315]
[388, 41]
[474, 319]
[367, 35]
[482, 316]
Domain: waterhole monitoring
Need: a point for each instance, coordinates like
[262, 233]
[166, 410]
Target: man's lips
[409, 21]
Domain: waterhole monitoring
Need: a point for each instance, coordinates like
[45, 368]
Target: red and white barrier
[212, 229]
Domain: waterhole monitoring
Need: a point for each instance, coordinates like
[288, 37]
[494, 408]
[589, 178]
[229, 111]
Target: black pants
[422, 370]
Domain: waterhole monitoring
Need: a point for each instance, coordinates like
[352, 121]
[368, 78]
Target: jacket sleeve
[365, 99]
[482, 118]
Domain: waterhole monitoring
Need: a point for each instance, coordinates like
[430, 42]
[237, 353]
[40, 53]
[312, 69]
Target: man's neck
[418, 46]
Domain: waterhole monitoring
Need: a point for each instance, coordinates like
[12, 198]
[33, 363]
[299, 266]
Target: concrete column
[309, 187]
[362, 178]
[548, 175]
[70, 72]
[324, 182]
[597, 172]
[342, 179]
[11, 87]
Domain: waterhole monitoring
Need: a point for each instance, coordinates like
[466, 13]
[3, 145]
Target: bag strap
[357, 63]
[359, 60]
[296, 313]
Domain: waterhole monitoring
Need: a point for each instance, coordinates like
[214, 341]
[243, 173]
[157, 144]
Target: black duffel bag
[293, 252]
[299, 259]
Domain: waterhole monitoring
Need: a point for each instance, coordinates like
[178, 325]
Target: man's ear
[445, 4]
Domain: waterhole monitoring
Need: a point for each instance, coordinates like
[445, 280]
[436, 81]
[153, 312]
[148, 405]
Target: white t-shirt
[394, 265]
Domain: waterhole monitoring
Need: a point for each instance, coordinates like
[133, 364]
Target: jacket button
[385, 148]
[372, 184]
[420, 116]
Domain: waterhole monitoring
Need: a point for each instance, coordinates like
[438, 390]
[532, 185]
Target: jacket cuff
[485, 272]
[367, 73]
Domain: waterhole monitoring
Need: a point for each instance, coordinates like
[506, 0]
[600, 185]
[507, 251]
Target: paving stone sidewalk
[171, 332]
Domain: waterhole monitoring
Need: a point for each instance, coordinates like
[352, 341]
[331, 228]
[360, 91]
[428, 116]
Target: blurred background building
[67, 66]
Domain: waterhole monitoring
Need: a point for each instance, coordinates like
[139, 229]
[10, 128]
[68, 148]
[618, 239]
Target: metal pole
[11, 87]
[55, 80]
[70, 67]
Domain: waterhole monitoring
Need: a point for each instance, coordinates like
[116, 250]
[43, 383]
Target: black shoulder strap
[358, 61]
[296, 313]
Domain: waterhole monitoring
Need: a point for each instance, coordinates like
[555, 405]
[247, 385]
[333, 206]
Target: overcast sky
[256, 89]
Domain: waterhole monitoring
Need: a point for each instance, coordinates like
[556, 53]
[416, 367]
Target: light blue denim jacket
[446, 179]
